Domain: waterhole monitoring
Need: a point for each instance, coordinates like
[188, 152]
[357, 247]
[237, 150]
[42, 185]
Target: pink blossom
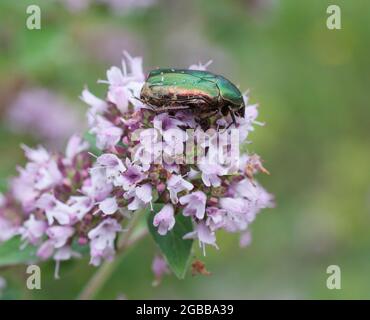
[245, 239]
[125, 86]
[43, 167]
[113, 166]
[63, 254]
[159, 268]
[171, 167]
[204, 234]
[177, 184]
[97, 186]
[107, 134]
[193, 174]
[116, 6]
[7, 229]
[254, 193]
[140, 195]
[246, 189]
[163, 122]
[48, 176]
[200, 66]
[40, 173]
[148, 137]
[43, 114]
[150, 148]
[215, 218]
[111, 161]
[211, 172]
[108, 206]
[133, 122]
[79, 207]
[23, 188]
[102, 240]
[75, 146]
[164, 219]
[97, 106]
[119, 96]
[54, 209]
[46, 250]
[173, 145]
[144, 192]
[76, 5]
[33, 230]
[238, 213]
[59, 235]
[245, 125]
[133, 175]
[187, 118]
[135, 64]
[124, 6]
[195, 204]
[38, 155]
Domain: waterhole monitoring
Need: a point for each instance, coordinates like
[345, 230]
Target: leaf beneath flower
[174, 248]
[11, 254]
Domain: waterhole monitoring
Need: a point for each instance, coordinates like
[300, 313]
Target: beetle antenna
[141, 100]
[149, 106]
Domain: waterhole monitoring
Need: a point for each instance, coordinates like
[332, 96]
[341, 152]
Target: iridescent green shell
[172, 89]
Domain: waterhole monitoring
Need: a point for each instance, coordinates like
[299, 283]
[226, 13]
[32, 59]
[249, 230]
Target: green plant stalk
[101, 276]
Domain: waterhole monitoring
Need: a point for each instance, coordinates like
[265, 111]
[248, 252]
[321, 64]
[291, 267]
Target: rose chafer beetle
[202, 92]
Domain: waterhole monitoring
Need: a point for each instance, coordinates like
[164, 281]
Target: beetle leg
[227, 128]
[213, 113]
[208, 114]
[232, 117]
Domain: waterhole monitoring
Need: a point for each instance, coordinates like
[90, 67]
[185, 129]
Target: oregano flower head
[61, 203]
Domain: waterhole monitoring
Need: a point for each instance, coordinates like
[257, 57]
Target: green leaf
[91, 139]
[11, 254]
[82, 249]
[3, 185]
[174, 248]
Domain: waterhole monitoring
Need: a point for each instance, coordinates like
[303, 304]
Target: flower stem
[97, 281]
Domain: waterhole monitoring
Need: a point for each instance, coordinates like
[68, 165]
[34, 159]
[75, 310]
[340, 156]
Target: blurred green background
[312, 85]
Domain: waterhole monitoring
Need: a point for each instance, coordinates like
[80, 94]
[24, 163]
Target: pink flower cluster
[61, 202]
[44, 115]
[116, 6]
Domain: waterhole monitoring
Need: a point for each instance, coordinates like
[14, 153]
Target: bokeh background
[312, 85]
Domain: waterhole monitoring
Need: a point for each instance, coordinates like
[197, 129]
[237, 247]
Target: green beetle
[202, 92]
